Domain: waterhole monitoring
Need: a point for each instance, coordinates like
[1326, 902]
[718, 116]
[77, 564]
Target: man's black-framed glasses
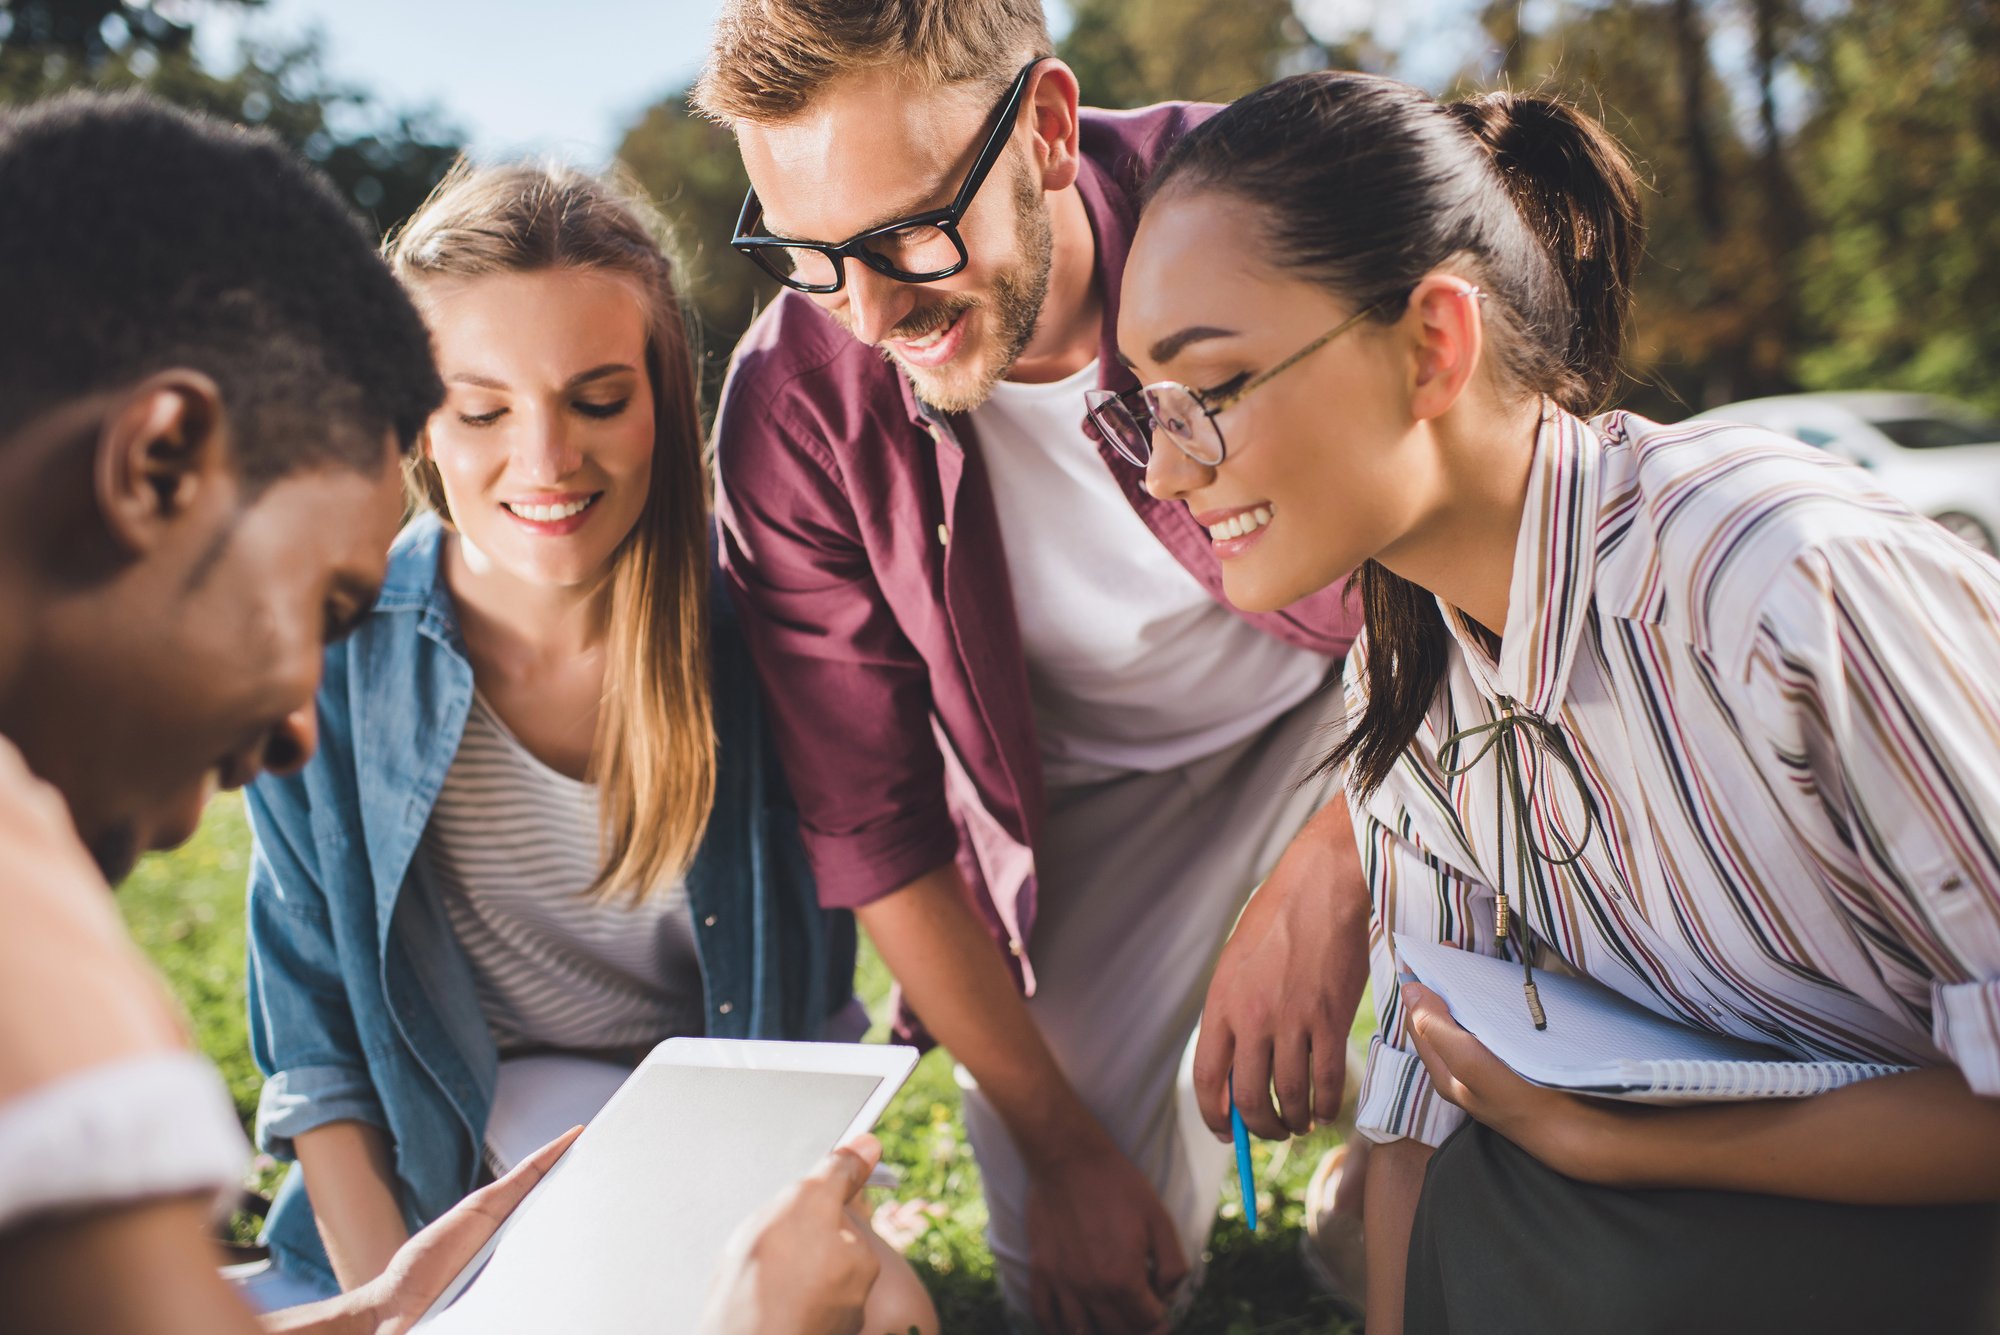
[919, 249]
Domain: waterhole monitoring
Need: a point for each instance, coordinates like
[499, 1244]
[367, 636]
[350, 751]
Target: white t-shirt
[140, 1128]
[510, 849]
[1132, 666]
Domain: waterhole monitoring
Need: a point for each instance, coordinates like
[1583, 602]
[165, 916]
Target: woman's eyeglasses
[1129, 420]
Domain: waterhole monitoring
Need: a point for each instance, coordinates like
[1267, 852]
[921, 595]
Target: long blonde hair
[653, 758]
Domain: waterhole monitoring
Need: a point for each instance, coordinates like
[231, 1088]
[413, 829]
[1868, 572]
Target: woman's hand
[425, 1264]
[1564, 1131]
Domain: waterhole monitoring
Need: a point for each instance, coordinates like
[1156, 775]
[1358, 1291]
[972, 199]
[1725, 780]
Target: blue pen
[1244, 1177]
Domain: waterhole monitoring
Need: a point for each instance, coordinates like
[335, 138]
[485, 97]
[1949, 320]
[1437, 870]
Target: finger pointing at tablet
[801, 1266]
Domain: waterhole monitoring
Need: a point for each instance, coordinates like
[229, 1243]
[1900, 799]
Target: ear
[161, 449]
[1450, 330]
[1052, 100]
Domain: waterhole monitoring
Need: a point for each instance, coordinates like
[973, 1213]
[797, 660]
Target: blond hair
[769, 58]
[653, 758]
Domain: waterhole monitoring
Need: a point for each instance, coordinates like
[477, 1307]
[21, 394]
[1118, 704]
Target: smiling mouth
[549, 514]
[1241, 525]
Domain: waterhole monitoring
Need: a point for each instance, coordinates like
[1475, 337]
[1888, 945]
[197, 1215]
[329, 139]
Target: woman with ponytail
[1692, 711]
[543, 831]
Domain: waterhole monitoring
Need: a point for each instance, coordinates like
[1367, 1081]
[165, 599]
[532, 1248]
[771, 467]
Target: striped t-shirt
[510, 849]
[1782, 692]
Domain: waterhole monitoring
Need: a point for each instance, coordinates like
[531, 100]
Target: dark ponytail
[1366, 185]
[1576, 191]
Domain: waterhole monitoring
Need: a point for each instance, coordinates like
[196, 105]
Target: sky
[517, 76]
[538, 77]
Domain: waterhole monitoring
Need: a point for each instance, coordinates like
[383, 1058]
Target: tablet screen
[626, 1232]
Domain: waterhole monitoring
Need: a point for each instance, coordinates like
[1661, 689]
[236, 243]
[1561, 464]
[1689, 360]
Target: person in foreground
[1035, 749]
[543, 762]
[1693, 711]
[207, 379]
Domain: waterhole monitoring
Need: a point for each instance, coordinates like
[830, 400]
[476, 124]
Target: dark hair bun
[1573, 185]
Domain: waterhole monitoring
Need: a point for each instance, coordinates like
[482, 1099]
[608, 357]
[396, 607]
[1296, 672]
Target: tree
[384, 161]
[691, 168]
[1128, 53]
[1903, 161]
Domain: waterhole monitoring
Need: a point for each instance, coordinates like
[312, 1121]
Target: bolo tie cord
[1502, 735]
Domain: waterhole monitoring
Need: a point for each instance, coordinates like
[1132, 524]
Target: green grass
[186, 909]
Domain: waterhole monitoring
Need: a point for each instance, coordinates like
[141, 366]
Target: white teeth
[544, 514]
[1237, 525]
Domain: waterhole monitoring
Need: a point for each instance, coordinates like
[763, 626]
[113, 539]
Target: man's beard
[1013, 309]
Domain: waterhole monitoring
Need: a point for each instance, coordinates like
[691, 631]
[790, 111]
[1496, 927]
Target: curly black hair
[135, 237]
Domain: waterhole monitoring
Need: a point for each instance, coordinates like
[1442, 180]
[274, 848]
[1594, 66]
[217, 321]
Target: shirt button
[1014, 948]
[944, 535]
[726, 1007]
[709, 921]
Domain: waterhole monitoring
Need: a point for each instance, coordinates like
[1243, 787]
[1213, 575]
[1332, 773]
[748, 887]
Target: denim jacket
[362, 1004]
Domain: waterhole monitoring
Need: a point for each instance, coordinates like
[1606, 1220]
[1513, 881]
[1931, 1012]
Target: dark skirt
[1503, 1244]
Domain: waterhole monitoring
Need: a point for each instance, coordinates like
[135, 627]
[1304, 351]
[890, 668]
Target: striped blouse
[510, 849]
[1782, 693]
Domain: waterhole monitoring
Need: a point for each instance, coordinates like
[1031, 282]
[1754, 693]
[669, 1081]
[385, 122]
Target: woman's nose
[1170, 474]
[546, 456]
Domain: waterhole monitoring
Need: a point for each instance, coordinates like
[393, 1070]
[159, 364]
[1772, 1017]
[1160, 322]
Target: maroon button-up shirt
[861, 541]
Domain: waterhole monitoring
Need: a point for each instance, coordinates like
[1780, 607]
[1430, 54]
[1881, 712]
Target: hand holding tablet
[628, 1230]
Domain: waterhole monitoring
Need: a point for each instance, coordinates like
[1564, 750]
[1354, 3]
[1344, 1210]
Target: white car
[1938, 456]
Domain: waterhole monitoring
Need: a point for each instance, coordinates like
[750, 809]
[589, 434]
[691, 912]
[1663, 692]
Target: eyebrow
[580, 378]
[884, 219]
[1171, 346]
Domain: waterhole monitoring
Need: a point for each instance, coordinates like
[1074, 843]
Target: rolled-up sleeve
[849, 695]
[1965, 1024]
[1879, 655]
[302, 1030]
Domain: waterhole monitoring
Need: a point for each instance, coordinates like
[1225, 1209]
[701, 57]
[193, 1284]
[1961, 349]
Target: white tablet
[626, 1231]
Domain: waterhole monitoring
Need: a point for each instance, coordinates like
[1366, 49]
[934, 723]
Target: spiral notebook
[1603, 1043]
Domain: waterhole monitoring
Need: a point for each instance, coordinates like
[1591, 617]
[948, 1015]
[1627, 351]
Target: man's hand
[1106, 1258]
[803, 1266]
[1283, 996]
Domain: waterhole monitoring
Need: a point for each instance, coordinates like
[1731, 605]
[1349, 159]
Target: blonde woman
[542, 832]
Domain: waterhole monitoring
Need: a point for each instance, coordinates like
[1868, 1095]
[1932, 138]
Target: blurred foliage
[384, 161]
[691, 169]
[1901, 279]
[1823, 176]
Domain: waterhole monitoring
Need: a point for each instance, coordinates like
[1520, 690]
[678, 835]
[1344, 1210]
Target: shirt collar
[1555, 572]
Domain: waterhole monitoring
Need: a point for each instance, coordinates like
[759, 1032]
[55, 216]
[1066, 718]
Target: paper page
[624, 1235]
[1591, 1030]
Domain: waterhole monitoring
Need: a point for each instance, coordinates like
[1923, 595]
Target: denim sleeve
[302, 1030]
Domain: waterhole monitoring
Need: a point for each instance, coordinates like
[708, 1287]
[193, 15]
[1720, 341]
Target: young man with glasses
[1012, 701]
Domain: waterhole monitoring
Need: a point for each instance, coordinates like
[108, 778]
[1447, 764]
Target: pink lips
[1225, 548]
[935, 354]
[554, 528]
